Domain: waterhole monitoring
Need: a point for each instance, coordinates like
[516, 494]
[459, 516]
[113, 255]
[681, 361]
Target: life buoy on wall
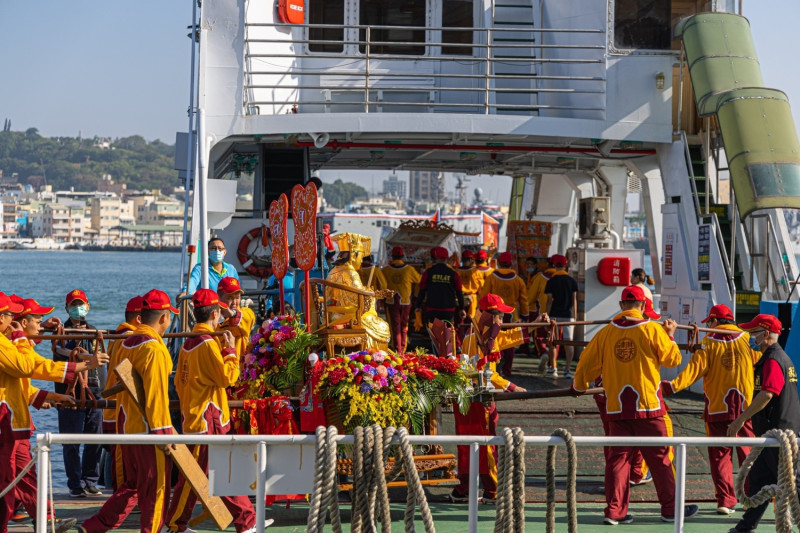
[292, 11]
[253, 264]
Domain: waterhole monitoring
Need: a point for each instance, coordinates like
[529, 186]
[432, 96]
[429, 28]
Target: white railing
[44, 441]
[509, 69]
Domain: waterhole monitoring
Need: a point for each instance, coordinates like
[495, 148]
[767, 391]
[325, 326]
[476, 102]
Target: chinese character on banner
[278, 213]
[304, 216]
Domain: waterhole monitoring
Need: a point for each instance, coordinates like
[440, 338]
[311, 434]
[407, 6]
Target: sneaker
[734, 530]
[543, 359]
[77, 493]
[268, 522]
[489, 500]
[725, 510]
[568, 374]
[552, 373]
[688, 512]
[62, 525]
[648, 478]
[458, 498]
[19, 516]
[616, 521]
[92, 489]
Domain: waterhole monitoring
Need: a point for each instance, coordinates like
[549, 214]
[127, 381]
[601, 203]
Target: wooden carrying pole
[180, 453]
[541, 394]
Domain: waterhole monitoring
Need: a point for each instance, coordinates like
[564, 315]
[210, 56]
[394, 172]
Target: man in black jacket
[440, 289]
[774, 406]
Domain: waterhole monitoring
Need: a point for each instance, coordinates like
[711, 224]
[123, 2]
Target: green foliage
[338, 194]
[296, 351]
[66, 162]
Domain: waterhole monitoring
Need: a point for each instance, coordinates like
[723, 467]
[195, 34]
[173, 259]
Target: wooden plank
[180, 453]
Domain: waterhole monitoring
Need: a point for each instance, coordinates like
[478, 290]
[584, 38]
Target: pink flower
[382, 372]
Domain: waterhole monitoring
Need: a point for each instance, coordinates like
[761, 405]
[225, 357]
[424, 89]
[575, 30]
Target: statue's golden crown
[353, 242]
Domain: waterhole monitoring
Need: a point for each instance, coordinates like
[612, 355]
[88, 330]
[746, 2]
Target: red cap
[397, 251]
[30, 307]
[482, 255]
[492, 302]
[205, 297]
[467, 255]
[157, 300]
[506, 258]
[767, 322]
[649, 312]
[440, 252]
[229, 285]
[77, 294]
[134, 305]
[558, 260]
[632, 293]
[719, 311]
[8, 306]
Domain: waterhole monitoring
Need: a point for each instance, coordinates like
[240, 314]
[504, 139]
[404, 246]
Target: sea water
[109, 279]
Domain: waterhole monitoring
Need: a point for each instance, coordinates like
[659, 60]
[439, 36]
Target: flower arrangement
[376, 387]
[275, 359]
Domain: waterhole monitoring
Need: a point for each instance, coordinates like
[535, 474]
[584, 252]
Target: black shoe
[734, 530]
[62, 525]
[92, 489]
[77, 493]
[688, 512]
[614, 521]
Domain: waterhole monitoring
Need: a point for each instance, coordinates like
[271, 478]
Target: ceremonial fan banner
[304, 216]
[278, 213]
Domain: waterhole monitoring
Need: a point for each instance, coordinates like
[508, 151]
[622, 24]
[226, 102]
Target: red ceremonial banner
[304, 216]
[278, 213]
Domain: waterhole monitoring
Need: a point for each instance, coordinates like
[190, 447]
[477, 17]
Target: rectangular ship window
[398, 41]
[642, 24]
[457, 14]
[326, 12]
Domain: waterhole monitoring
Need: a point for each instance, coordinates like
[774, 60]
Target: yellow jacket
[44, 369]
[401, 278]
[148, 354]
[505, 338]
[505, 283]
[484, 270]
[110, 415]
[725, 362]
[471, 280]
[15, 420]
[378, 279]
[628, 354]
[537, 299]
[241, 326]
[201, 377]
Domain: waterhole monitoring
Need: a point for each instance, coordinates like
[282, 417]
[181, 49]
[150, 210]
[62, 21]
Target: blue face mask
[754, 345]
[530, 269]
[78, 312]
[216, 256]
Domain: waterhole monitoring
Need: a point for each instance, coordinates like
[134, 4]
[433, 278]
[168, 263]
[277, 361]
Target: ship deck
[536, 417]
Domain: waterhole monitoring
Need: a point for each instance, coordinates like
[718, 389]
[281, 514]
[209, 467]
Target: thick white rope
[787, 506]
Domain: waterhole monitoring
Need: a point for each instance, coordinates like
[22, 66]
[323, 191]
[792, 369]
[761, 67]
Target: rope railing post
[261, 489]
[474, 475]
[43, 460]
[680, 485]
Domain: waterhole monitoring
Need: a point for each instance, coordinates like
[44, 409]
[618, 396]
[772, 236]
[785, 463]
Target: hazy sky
[113, 68]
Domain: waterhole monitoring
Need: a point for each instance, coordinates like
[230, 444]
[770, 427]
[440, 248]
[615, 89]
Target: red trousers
[721, 461]
[637, 473]
[26, 488]
[147, 472]
[398, 322]
[184, 499]
[618, 466]
[480, 420]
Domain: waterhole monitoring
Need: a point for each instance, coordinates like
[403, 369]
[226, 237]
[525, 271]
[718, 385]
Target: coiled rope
[572, 466]
[787, 507]
[370, 493]
[510, 517]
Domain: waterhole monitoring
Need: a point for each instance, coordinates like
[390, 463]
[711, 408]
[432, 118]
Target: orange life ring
[254, 266]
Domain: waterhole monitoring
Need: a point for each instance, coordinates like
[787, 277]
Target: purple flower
[365, 387]
[286, 330]
[391, 371]
[355, 371]
[383, 382]
[253, 373]
[370, 370]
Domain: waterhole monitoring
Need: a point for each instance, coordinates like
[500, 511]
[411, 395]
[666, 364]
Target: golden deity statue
[342, 303]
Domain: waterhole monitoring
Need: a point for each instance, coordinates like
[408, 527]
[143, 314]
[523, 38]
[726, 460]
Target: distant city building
[105, 215]
[426, 186]
[60, 222]
[160, 213]
[394, 187]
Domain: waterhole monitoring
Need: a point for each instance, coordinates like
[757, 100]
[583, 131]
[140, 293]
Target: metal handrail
[45, 440]
[495, 75]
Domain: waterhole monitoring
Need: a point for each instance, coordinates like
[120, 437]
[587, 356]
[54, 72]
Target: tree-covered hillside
[66, 162]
